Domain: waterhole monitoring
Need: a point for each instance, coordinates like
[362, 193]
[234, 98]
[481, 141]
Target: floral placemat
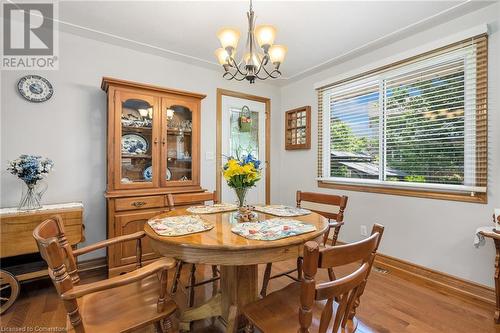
[215, 208]
[179, 225]
[282, 210]
[272, 229]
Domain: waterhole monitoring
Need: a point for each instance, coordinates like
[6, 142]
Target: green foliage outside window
[424, 132]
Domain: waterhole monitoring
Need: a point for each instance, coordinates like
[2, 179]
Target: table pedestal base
[238, 285]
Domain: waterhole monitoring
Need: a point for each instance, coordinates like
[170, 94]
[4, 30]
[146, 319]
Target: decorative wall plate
[35, 88]
[134, 144]
[169, 174]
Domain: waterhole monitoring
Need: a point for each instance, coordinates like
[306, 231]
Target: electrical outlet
[363, 230]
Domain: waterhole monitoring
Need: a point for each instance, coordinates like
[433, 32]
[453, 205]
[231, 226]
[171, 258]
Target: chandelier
[257, 63]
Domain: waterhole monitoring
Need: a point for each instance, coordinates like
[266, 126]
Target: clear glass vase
[241, 194]
[31, 197]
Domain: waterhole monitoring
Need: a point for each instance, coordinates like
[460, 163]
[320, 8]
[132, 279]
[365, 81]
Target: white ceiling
[317, 33]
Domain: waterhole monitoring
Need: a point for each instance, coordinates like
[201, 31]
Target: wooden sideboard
[16, 227]
[18, 249]
[153, 148]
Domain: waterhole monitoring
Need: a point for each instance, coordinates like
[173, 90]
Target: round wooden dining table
[237, 256]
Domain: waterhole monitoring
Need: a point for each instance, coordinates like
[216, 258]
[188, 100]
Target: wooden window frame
[481, 125]
[441, 195]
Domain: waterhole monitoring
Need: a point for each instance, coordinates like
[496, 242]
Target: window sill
[429, 194]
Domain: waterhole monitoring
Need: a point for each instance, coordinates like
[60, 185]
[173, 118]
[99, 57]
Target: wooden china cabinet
[153, 149]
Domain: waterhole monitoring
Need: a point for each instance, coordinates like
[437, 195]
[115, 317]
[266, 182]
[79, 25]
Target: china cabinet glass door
[138, 140]
[179, 137]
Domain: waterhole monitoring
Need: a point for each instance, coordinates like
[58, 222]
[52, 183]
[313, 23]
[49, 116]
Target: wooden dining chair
[188, 200]
[335, 221]
[119, 304]
[316, 301]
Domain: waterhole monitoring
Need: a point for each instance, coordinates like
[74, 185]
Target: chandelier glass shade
[262, 58]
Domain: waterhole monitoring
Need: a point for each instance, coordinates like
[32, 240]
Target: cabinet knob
[155, 141]
[138, 203]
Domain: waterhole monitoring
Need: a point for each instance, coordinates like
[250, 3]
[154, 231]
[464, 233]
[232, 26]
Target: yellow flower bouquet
[241, 174]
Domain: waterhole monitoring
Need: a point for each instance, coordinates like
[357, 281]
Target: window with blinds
[419, 124]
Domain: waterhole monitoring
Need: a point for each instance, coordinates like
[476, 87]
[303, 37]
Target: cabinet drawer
[139, 203]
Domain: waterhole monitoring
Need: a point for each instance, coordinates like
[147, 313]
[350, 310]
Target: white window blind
[420, 123]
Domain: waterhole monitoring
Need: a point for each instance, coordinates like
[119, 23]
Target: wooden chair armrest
[121, 280]
[108, 242]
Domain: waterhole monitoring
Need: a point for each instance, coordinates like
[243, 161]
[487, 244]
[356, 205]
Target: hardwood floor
[389, 304]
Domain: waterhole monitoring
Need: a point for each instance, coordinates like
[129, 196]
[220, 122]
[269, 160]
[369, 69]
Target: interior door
[180, 142]
[237, 139]
[136, 140]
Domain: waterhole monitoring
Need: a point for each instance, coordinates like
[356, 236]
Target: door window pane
[244, 136]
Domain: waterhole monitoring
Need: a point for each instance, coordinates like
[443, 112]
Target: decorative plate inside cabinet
[134, 144]
[148, 173]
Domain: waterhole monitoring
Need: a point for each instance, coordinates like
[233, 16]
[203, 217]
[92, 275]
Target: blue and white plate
[148, 173]
[134, 144]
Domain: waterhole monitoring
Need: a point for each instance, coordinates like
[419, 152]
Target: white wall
[70, 128]
[433, 233]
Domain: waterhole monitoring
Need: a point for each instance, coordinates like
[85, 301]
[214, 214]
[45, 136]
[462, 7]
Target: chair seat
[278, 312]
[124, 308]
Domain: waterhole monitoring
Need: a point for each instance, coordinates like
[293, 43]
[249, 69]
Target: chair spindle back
[191, 198]
[339, 201]
[56, 251]
[346, 290]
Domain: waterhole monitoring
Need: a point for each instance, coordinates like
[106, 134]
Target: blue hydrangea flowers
[250, 159]
[30, 168]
